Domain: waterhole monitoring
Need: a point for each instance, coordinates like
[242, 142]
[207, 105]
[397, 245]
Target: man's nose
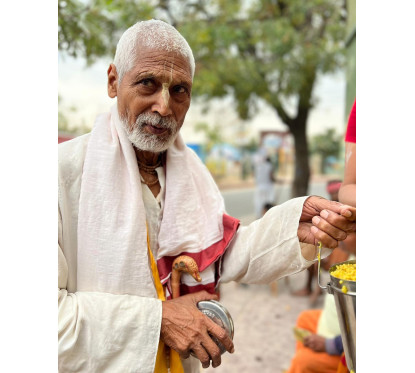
[161, 104]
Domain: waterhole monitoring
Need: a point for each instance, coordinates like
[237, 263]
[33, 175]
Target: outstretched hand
[186, 329]
[316, 342]
[326, 221]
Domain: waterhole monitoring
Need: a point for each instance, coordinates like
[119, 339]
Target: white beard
[147, 141]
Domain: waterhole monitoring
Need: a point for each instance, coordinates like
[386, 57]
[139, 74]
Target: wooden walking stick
[183, 263]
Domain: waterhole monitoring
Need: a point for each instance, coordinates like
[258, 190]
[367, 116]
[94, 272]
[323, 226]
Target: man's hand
[316, 342]
[185, 329]
[326, 221]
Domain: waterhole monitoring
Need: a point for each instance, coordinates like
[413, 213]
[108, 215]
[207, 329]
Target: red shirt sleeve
[351, 125]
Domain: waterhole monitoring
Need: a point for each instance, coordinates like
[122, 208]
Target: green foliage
[258, 49]
[63, 122]
[270, 50]
[326, 144]
[213, 135]
[252, 145]
[91, 29]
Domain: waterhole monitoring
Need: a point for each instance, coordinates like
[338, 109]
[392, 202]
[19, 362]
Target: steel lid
[220, 315]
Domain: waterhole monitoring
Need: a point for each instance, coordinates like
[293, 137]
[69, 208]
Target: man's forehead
[158, 62]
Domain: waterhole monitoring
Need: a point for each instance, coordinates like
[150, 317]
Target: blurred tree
[266, 50]
[326, 145]
[251, 146]
[270, 50]
[90, 29]
[63, 122]
[213, 135]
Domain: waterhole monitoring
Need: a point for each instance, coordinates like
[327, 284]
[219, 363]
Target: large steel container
[344, 293]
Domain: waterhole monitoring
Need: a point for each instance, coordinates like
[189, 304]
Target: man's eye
[146, 82]
[179, 89]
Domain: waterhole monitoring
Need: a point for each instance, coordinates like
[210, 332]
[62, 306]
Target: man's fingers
[330, 227]
[325, 226]
[213, 351]
[315, 204]
[203, 295]
[202, 355]
[325, 239]
[220, 334]
[337, 221]
[184, 355]
[348, 212]
[186, 329]
[208, 349]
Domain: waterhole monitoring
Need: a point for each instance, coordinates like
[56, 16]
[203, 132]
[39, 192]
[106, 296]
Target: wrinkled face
[153, 98]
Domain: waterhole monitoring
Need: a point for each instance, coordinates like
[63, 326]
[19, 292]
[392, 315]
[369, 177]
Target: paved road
[240, 202]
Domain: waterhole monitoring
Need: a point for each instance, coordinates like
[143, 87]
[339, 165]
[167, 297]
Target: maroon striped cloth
[208, 259]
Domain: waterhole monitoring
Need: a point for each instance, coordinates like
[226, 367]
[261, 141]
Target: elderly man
[133, 197]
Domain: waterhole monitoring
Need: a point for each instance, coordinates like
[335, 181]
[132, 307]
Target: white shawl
[112, 237]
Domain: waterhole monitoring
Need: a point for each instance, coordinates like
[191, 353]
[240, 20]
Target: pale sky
[85, 88]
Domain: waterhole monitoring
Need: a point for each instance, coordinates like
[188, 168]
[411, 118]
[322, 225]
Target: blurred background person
[347, 193]
[319, 346]
[265, 189]
[266, 207]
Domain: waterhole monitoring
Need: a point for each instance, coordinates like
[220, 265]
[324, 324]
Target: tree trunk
[297, 127]
[302, 167]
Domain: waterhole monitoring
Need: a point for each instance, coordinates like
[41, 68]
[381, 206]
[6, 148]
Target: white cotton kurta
[103, 332]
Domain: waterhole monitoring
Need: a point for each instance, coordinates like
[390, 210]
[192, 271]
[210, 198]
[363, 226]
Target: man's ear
[112, 81]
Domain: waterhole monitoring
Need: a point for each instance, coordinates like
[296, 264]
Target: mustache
[155, 119]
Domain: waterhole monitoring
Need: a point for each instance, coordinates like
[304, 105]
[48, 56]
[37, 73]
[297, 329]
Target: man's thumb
[204, 295]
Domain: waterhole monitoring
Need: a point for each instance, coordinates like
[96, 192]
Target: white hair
[154, 34]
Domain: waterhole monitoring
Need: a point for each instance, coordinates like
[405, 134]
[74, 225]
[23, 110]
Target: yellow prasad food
[345, 272]
[345, 289]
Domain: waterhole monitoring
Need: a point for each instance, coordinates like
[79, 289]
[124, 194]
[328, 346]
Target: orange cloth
[342, 368]
[305, 359]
